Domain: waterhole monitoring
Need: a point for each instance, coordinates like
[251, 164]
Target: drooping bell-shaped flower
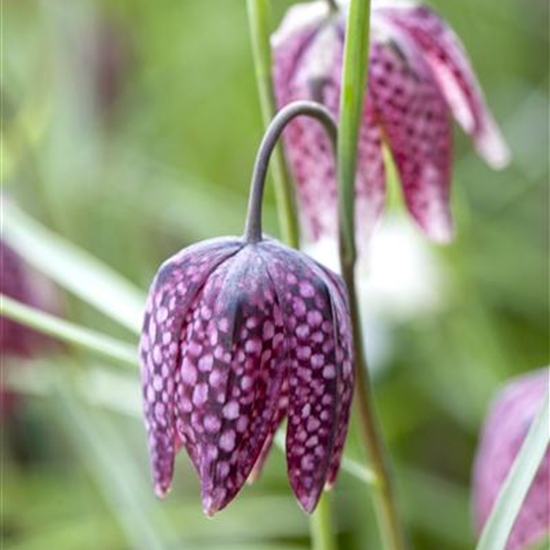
[240, 333]
[505, 429]
[419, 75]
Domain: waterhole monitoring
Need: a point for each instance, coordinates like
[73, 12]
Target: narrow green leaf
[113, 467]
[119, 393]
[81, 337]
[516, 485]
[73, 268]
[362, 473]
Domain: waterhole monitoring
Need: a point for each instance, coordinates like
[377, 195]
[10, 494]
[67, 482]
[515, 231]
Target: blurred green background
[130, 128]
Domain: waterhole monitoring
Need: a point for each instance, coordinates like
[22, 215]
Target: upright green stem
[111, 464]
[354, 79]
[391, 529]
[321, 526]
[258, 16]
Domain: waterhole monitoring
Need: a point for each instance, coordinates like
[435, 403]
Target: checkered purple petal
[172, 292]
[415, 119]
[453, 70]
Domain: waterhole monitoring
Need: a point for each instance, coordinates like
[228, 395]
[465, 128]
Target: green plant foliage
[112, 168]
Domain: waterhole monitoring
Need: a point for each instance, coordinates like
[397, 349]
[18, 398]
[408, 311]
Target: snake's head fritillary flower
[240, 333]
[419, 75]
[509, 420]
[236, 337]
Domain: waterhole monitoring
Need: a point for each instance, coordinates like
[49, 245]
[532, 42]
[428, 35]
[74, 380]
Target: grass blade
[108, 460]
[70, 333]
[73, 268]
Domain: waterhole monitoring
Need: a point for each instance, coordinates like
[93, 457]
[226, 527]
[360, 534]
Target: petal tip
[308, 503]
[210, 506]
[214, 498]
[329, 485]
[494, 150]
[253, 477]
[162, 490]
[209, 510]
[442, 234]
[439, 227]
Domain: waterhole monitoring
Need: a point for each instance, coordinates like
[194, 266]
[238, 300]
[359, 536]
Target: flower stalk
[321, 526]
[253, 229]
[354, 80]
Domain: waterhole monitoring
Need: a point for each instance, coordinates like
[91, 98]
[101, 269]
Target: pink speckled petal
[274, 425]
[231, 375]
[505, 429]
[415, 119]
[295, 34]
[314, 74]
[171, 294]
[307, 147]
[370, 179]
[453, 70]
[347, 381]
[316, 358]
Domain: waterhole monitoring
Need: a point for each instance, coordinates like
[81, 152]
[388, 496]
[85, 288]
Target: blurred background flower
[510, 417]
[18, 343]
[420, 77]
[401, 278]
[170, 165]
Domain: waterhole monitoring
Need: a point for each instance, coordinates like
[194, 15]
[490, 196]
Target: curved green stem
[253, 228]
[258, 17]
[354, 79]
[390, 525]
